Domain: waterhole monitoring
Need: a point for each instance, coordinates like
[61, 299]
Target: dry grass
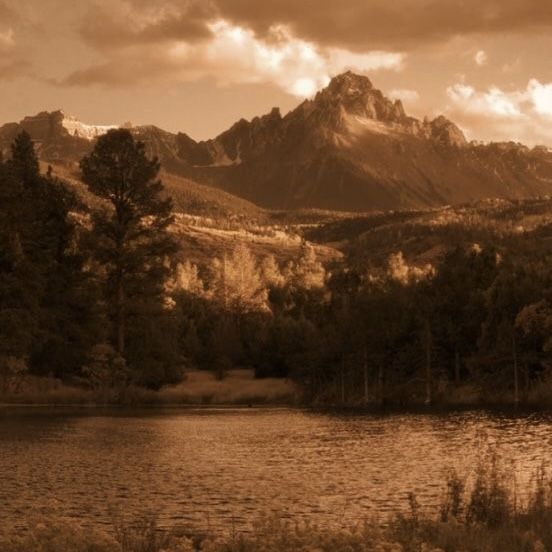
[238, 387]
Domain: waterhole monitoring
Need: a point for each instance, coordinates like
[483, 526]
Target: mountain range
[349, 148]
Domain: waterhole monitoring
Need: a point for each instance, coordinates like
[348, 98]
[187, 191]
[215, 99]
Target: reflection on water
[214, 468]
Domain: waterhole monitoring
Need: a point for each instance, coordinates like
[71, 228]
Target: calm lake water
[221, 468]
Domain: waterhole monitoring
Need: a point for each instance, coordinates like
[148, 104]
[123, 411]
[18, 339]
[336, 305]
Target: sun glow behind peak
[237, 54]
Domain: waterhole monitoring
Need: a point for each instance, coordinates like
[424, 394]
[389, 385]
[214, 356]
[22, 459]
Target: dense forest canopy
[101, 293]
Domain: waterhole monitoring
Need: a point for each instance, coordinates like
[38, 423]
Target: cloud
[190, 39]
[13, 68]
[116, 24]
[15, 51]
[541, 97]
[352, 25]
[7, 39]
[405, 95]
[524, 115]
[7, 14]
[234, 54]
[481, 58]
[491, 103]
[380, 24]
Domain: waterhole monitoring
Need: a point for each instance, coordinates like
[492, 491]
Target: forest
[101, 294]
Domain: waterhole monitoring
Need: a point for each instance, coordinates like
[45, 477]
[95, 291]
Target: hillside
[188, 196]
[522, 227]
[211, 222]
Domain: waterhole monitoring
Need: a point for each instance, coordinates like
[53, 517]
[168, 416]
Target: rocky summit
[349, 148]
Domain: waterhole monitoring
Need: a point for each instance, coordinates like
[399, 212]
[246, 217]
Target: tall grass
[239, 387]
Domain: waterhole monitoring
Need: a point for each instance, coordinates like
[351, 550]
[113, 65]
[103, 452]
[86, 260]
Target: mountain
[349, 148]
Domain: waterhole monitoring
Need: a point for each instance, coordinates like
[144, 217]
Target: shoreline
[441, 409]
[239, 389]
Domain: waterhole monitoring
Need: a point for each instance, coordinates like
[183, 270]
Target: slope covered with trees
[447, 305]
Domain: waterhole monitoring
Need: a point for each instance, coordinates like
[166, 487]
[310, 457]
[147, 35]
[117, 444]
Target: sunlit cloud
[405, 95]
[541, 96]
[297, 66]
[493, 102]
[481, 58]
[234, 55]
[523, 115]
[7, 38]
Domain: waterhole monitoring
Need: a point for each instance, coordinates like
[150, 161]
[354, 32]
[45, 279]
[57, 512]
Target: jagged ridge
[348, 148]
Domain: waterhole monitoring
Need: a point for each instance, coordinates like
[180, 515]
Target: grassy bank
[484, 515]
[238, 387]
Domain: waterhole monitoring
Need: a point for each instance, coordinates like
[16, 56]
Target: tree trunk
[365, 375]
[380, 383]
[457, 367]
[428, 397]
[342, 379]
[120, 316]
[527, 382]
[516, 375]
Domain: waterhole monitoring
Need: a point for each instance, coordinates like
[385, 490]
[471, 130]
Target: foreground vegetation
[198, 388]
[486, 515]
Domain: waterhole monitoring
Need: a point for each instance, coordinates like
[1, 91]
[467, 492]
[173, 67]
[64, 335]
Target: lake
[221, 468]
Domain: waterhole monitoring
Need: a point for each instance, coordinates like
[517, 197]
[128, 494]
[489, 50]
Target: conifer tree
[45, 297]
[131, 242]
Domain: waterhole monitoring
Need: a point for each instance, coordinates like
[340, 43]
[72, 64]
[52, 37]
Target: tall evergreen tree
[132, 245]
[45, 296]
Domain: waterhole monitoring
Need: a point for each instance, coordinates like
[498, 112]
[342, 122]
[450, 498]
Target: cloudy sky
[199, 65]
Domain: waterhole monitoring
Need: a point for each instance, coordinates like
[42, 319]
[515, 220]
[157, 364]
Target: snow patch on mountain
[82, 130]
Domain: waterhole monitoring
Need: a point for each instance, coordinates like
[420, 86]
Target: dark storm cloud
[119, 72]
[352, 24]
[7, 15]
[120, 24]
[400, 24]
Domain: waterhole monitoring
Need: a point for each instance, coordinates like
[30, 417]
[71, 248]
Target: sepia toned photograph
[275, 276]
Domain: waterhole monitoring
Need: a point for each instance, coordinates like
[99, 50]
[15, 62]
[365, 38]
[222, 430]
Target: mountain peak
[349, 83]
[354, 95]
[443, 130]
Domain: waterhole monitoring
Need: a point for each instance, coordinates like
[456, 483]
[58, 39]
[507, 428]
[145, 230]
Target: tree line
[94, 294]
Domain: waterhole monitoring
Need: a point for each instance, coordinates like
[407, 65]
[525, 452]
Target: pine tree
[45, 297]
[132, 243]
[19, 289]
[24, 162]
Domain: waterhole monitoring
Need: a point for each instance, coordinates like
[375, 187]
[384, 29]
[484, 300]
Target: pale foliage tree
[399, 270]
[308, 272]
[271, 274]
[187, 278]
[237, 282]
